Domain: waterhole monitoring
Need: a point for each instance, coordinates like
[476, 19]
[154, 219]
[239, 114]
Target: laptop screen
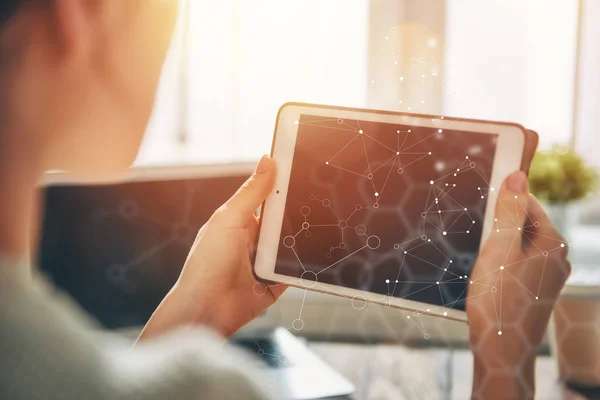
[118, 248]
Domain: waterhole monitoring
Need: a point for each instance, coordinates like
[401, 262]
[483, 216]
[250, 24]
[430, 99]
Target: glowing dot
[437, 283]
[499, 333]
[296, 122]
[444, 233]
[492, 189]
[401, 78]
[408, 317]
[386, 38]
[387, 281]
[450, 261]
[429, 153]
[516, 197]
[422, 101]
[445, 314]
[376, 194]
[398, 153]
[496, 219]
[327, 162]
[428, 310]
[497, 230]
[481, 196]
[467, 157]
[398, 132]
[478, 188]
[519, 228]
[372, 81]
[445, 269]
[465, 209]
[468, 231]
[562, 245]
[471, 282]
[502, 268]
[409, 131]
[440, 131]
[409, 108]
[537, 298]
[431, 182]
[361, 131]
[406, 252]
[423, 76]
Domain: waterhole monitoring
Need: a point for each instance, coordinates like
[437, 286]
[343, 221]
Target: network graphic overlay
[393, 210]
[377, 208]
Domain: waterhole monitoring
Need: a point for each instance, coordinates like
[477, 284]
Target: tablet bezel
[508, 158]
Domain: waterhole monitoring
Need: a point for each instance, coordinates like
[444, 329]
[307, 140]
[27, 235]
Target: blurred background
[234, 62]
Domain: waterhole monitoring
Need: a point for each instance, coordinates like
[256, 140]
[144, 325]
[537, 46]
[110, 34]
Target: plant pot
[564, 216]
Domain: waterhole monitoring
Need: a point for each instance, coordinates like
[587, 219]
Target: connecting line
[302, 306]
[339, 261]
[298, 258]
[146, 255]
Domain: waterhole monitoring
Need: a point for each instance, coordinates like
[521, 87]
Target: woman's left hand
[216, 286]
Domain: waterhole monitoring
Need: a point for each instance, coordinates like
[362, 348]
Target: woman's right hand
[515, 283]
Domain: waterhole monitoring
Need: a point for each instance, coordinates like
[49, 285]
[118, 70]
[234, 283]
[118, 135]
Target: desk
[393, 372]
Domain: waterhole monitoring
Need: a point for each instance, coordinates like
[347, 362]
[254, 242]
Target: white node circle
[259, 289]
[326, 203]
[309, 279]
[289, 241]
[359, 302]
[373, 242]
[298, 324]
[305, 225]
[305, 211]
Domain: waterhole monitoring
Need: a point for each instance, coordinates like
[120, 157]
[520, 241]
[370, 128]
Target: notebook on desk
[117, 247]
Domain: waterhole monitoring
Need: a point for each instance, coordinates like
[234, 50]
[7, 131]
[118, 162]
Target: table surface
[394, 372]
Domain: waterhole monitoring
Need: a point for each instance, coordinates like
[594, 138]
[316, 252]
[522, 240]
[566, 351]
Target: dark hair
[8, 8]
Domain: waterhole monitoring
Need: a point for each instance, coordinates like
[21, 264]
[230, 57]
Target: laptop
[117, 246]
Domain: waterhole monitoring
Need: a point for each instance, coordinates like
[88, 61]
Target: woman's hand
[515, 283]
[216, 286]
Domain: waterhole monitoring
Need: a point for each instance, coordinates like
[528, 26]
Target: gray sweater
[49, 349]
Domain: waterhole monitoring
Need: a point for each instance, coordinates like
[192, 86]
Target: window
[514, 60]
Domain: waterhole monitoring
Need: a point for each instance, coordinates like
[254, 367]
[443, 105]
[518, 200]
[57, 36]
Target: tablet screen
[390, 209]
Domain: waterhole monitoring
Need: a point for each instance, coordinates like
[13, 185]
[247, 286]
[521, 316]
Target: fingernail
[263, 165]
[517, 182]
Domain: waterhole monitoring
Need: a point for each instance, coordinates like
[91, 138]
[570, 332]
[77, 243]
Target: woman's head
[78, 77]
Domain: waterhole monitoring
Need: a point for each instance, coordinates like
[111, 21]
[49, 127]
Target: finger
[241, 206]
[277, 290]
[543, 236]
[252, 228]
[531, 143]
[511, 206]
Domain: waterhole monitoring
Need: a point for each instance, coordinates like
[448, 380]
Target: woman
[78, 79]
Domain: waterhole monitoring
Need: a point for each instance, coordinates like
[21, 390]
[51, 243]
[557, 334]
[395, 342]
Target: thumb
[241, 206]
[512, 204]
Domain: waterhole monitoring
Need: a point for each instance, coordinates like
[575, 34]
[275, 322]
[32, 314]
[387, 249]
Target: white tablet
[383, 207]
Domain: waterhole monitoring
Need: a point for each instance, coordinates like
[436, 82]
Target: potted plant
[559, 178]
